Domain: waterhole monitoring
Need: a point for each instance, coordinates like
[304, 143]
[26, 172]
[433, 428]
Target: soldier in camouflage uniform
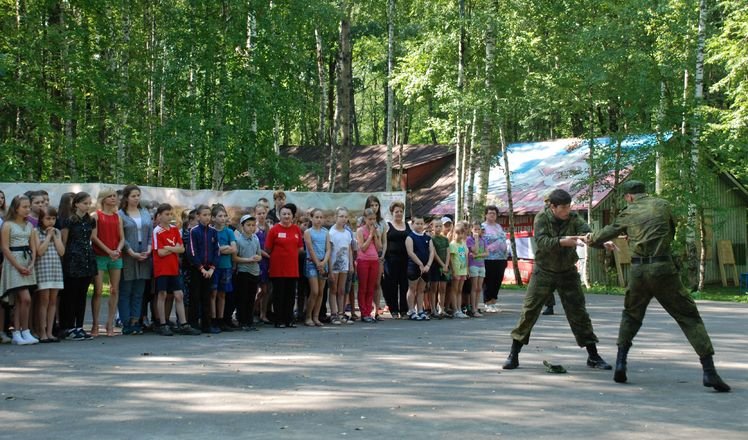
[557, 231]
[650, 227]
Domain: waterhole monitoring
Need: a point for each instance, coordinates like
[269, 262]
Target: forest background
[203, 94]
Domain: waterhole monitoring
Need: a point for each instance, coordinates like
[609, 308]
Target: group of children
[275, 265]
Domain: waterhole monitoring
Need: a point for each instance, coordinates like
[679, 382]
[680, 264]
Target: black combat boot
[548, 310]
[711, 378]
[594, 360]
[512, 361]
[620, 374]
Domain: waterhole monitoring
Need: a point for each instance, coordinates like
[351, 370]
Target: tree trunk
[591, 162]
[122, 130]
[510, 204]
[354, 118]
[616, 174]
[460, 135]
[151, 95]
[161, 120]
[345, 82]
[321, 78]
[432, 132]
[469, 165]
[695, 205]
[333, 170]
[249, 48]
[661, 109]
[390, 94]
[193, 156]
[70, 121]
[486, 147]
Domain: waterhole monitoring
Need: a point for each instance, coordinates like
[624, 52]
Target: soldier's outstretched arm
[611, 231]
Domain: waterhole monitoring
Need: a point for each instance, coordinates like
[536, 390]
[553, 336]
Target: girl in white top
[341, 261]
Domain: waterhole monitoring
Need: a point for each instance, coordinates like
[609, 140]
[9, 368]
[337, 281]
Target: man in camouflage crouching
[650, 227]
[557, 232]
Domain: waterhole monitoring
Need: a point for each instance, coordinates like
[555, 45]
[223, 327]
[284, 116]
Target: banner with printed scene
[237, 203]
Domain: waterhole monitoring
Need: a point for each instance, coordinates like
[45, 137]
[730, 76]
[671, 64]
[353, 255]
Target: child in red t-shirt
[167, 245]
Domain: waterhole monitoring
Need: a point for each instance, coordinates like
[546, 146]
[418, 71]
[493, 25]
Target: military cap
[633, 187]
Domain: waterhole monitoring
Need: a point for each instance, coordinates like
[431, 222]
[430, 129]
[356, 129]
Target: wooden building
[428, 178]
[539, 167]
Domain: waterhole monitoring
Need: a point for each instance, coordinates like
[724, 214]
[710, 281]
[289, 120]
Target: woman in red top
[108, 238]
[284, 243]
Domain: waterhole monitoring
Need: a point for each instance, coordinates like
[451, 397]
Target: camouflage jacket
[649, 224]
[549, 255]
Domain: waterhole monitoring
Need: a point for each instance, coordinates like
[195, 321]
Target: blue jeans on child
[130, 300]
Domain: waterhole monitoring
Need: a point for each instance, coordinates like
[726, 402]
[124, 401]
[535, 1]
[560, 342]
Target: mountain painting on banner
[540, 167]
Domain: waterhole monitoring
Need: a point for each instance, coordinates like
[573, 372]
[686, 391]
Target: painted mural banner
[237, 202]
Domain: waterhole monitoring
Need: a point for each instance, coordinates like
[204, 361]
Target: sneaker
[415, 317]
[18, 339]
[336, 321]
[28, 337]
[424, 316]
[460, 315]
[74, 335]
[186, 329]
[4, 338]
[127, 330]
[215, 330]
[83, 334]
[395, 315]
[347, 320]
[367, 319]
[137, 329]
[164, 330]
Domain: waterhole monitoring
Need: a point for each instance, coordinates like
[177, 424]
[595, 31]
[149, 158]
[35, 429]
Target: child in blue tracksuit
[203, 257]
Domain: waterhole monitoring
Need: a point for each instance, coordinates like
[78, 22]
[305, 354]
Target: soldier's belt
[649, 260]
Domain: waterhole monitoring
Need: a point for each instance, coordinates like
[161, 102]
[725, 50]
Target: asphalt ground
[398, 379]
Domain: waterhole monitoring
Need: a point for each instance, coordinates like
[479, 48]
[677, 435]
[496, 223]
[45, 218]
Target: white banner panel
[237, 202]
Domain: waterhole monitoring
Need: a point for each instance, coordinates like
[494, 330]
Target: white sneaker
[4, 339]
[460, 315]
[18, 339]
[28, 337]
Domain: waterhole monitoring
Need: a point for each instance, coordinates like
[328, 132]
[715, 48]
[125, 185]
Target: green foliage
[169, 92]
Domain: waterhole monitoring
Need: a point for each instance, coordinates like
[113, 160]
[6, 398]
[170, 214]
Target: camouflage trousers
[541, 287]
[662, 281]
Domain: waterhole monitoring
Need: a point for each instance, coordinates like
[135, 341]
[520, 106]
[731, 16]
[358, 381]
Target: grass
[711, 293]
